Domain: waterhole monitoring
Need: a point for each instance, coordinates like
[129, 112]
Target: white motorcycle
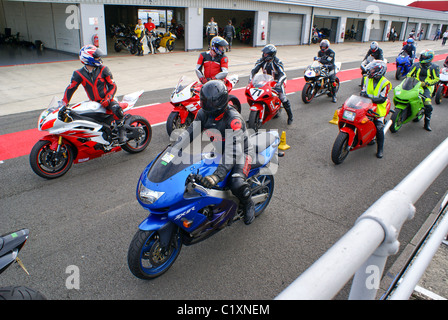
[317, 78]
[83, 132]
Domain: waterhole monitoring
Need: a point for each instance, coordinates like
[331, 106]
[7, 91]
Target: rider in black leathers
[226, 129]
[272, 65]
[326, 56]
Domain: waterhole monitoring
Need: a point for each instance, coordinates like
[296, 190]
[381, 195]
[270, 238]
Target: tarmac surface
[28, 81]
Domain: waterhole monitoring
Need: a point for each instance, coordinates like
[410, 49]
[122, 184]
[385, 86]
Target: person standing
[211, 31]
[140, 32]
[150, 34]
[229, 34]
[444, 37]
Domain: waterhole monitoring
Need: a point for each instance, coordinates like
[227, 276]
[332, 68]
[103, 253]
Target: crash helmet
[214, 97]
[91, 55]
[374, 46]
[376, 69]
[410, 41]
[269, 51]
[218, 44]
[324, 45]
[426, 56]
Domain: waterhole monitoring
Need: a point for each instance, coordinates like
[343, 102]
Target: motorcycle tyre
[135, 252]
[170, 45]
[396, 115]
[148, 131]
[254, 120]
[20, 293]
[172, 119]
[340, 144]
[307, 97]
[439, 95]
[398, 75]
[235, 103]
[35, 151]
[117, 47]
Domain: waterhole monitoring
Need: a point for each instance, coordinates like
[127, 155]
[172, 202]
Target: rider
[326, 56]
[139, 31]
[375, 52]
[227, 130]
[428, 74]
[272, 65]
[409, 48]
[214, 64]
[98, 83]
[376, 87]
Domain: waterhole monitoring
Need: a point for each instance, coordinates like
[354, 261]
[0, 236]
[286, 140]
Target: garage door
[378, 34]
[285, 29]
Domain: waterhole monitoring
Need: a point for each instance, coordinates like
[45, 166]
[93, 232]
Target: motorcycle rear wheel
[138, 145]
[20, 293]
[146, 259]
[43, 163]
[235, 103]
[340, 148]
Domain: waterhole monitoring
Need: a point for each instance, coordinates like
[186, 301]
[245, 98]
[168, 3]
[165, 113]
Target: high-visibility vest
[374, 92]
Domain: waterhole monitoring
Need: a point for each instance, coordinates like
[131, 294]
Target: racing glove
[105, 103]
[210, 181]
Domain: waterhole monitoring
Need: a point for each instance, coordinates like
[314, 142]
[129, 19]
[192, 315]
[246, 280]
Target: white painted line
[345, 81]
[158, 124]
[147, 105]
[1, 162]
[429, 294]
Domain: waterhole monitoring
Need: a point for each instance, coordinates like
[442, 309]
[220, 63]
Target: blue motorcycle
[183, 212]
[403, 63]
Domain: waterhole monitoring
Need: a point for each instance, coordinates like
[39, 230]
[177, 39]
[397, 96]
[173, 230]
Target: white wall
[194, 28]
[92, 22]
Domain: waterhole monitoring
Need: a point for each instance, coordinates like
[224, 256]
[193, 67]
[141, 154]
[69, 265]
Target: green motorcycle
[408, 101]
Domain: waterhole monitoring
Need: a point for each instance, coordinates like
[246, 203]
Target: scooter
[408, 101]
[165, 40]
[10, 245]
[441, 89]
[403, 63]
[186, 102]
[183, 212]
[83, 132]
[317, 79]
[356, 127]
[263, 100]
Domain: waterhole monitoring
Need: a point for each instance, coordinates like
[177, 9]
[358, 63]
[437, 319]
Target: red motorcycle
[264, 102]
[356, 127]
[186, 102]
[441, 89]
[83, 132]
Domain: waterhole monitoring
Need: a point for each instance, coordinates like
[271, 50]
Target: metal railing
[364, 249]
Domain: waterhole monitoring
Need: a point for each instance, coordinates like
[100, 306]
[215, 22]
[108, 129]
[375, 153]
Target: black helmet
[214, 97]
[269, 52]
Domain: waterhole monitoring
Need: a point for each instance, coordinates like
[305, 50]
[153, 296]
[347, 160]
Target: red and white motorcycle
[83, 132]
[186, 102]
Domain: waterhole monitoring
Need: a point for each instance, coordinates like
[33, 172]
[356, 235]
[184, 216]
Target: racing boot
[379, 138]
[287, 107]
[426, 126]
[121, 132]
[249, 211]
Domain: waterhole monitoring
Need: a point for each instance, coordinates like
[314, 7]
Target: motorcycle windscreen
[169, 163]
[409, 83]
[357, 102]
[261, 79]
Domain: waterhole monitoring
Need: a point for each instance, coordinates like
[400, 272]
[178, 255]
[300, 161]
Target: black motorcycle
[10, 245]
[317, 78]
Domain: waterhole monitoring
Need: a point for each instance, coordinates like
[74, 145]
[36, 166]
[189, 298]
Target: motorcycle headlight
[148, 196]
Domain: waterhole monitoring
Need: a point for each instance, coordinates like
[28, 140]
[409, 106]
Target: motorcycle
[10, 245]
[317, 36]
[126, 42]
[317, 79]
[165, 40]
[441, 89]
[83, 132]
[408, 101]
[186, 102]
[263, 100]
[403, 63]
[183, 212]
[356, 127]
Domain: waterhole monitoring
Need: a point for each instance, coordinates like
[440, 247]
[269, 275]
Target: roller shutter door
[285, 29]
[378, 34]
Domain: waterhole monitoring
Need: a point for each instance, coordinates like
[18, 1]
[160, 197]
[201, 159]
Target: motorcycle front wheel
[254, 120]
[170, 45]
[308, 93]
[340, 149]
[174, 122]
[262, 185]
[439, 95]
[139, 144]
[147, 259]
[397, 122]
[48, 163]
[20, 293]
